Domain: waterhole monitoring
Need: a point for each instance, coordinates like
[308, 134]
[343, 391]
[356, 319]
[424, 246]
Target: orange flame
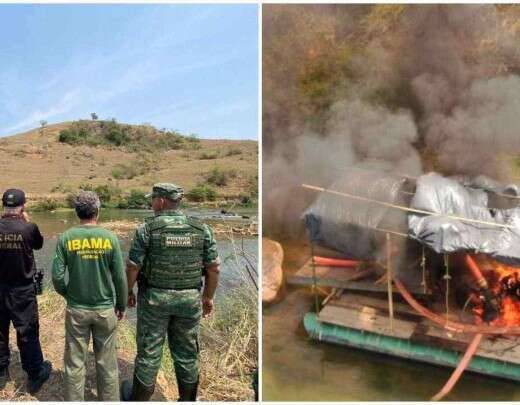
[496, 274]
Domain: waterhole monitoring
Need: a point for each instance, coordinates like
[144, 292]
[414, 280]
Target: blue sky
[191, 68]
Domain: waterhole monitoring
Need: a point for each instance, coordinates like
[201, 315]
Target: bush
[70, 200]
[234, 152]
[69, 136]
[122, 171]
[201, 193]
[61, 188]
[208, 156]
[193, 138]
[135, 138]
[220, 177]
[107, 193]
[117, 137]
[86, 187]
[136, 168]
[245, 200]
[136, 200]
[47, 204]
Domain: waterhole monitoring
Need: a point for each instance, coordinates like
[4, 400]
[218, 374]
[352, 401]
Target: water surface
[296, 368]
[52, 224]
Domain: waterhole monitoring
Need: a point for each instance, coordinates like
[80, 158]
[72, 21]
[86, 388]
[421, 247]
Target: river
[52, 224]
[296, 368]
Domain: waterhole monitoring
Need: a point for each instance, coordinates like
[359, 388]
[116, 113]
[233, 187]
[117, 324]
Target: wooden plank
[505, 348]
[366, 319]
[370, 314]
[353, 300]
[327, 272]
[349, 285]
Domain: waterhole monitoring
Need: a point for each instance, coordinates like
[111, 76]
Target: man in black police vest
[18, 238]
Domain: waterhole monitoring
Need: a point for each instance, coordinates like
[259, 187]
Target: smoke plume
[403, 89]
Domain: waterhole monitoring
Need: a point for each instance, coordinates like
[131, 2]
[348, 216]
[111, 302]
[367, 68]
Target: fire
[504, 283]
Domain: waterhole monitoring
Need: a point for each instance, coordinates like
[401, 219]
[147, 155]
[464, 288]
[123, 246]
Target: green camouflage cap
[166, 190]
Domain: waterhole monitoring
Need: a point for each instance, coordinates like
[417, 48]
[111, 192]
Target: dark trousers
[19, 305]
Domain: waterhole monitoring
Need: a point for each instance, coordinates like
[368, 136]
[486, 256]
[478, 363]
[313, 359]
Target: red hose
[475, 270]
[328, 261]
[454, 326]
[478, 330]
[470, 351]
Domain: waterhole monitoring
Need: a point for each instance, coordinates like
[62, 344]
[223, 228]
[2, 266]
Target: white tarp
[464, 199]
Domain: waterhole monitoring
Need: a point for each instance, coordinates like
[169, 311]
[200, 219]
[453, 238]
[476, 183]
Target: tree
[43, 125]
[94, 116]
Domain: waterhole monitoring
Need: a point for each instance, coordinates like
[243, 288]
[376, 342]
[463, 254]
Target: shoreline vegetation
[228, 341]
[202, 196]
[123, 228]
[61, 203]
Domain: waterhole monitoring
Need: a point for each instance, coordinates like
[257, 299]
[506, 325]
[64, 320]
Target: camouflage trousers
[79, 325]
[172, 313]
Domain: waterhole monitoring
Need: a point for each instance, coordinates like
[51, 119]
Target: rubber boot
[137, 391]
[125, 391]
[43, 375]
[187, 391]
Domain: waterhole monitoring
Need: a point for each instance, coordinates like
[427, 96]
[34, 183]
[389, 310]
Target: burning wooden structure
[423, 291]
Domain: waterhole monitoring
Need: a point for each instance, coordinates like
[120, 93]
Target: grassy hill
[124, 157]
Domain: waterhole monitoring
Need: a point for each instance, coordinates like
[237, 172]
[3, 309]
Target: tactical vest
[175, 251]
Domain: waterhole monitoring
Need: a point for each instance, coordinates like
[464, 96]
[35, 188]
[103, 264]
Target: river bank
[228, 354]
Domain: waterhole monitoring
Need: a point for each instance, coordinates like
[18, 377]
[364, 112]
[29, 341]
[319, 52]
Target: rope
[314, 285]
[423, 267]
[389, 282]
[415, 178]
[447, 277]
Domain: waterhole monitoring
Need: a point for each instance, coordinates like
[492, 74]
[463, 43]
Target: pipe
[491, 305]
[466, 359]
[389, 281]
[475, 270]
[329, 261]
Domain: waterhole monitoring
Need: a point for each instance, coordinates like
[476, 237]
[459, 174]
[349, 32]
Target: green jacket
[91, 256]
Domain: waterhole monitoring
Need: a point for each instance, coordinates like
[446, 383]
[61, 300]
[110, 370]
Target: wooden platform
[370, 314]
[340, 277]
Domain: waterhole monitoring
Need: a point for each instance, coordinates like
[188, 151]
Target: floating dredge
[423, 268]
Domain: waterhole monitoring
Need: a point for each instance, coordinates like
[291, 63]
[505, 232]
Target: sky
[189, 68]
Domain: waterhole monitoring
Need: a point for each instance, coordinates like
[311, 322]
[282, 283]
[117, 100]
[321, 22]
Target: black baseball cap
[13, 198]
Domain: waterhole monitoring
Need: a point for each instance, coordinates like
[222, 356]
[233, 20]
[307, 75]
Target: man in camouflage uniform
[169, 256]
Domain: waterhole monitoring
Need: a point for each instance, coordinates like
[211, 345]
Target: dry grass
[228, 352]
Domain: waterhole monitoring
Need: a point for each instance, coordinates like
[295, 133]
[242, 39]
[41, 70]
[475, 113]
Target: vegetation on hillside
[122, 161]
[110, 133]
[317, 55]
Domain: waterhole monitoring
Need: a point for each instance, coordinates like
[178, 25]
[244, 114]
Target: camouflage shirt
[137, 252]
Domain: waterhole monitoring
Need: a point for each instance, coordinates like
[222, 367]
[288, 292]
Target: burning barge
[423, 268]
